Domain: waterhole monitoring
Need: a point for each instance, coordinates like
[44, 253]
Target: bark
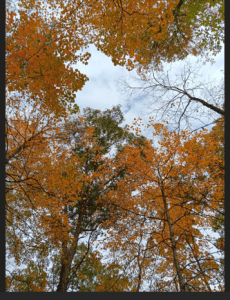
[177, 8]
[68, 257]
[173, 242]
[139, 275]
[214, 108]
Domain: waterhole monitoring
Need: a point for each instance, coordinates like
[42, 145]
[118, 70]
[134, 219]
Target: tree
[152, 32]
[28, 136]
[73, 176]
[27, 133]
[217, 169]
[88, 274]
[143, 33]
[30, 279]
[40, 87]
[173, 201]
[152, 202]
[181, 98]
[92, 275]
[39, 54]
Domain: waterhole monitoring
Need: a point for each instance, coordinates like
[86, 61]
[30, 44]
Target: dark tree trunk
[68, 255]
[173, 242]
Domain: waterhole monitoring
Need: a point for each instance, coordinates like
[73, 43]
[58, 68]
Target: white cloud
[103, 90]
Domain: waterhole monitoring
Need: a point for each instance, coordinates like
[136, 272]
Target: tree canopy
[93, 204]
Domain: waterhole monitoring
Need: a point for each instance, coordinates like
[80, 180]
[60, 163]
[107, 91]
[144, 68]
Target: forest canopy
[92, 204]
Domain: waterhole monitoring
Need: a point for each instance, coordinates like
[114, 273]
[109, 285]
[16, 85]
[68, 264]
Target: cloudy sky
[103, 90]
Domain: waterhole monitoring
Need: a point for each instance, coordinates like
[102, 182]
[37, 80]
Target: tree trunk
[68, 258]
[209, 105]
[172, 238]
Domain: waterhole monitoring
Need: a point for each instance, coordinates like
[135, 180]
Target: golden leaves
[163, 192]
[36, 62]
[172, 171]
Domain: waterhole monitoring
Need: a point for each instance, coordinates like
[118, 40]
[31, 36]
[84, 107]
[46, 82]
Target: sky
[103, 89]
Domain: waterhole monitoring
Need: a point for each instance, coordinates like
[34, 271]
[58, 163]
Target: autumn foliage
[92, 205]
[170, 197]
[150, 32]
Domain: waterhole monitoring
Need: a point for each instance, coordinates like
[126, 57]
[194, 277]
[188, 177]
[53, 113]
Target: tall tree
[217, 169]
[175, 198]
[74, 174]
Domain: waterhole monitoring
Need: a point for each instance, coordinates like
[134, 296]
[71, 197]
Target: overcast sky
[103, 91]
